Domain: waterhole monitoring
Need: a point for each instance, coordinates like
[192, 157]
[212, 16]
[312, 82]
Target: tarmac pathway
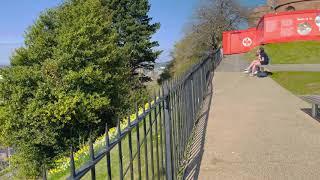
[255, 130]
[294, 67]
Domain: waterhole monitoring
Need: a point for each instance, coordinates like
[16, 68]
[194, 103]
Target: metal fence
[153, 145]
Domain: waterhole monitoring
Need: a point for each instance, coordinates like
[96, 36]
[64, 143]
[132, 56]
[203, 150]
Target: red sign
[239, 41]
[272, 28]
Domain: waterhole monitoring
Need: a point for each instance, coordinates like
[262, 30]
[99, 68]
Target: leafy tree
[204, 32]
[166, 74]
[135, 29]
[71, 77]
[213, 17]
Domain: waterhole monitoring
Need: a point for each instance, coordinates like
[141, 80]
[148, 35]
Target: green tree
[135, 29]
[69, 79]
[204, 32]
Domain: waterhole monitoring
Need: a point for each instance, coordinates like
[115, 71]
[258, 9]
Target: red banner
[273, 28]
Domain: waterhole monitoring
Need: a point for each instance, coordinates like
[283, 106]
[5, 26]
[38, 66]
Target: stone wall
[281, 6]
[297, 5]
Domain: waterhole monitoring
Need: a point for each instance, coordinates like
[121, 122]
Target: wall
[280, 6]
[298, 5]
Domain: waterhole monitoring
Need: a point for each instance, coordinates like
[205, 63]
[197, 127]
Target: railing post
[168, 136]
[44, 175]
[315, 109]
[72, 165]
[107, 138]
[91, 151]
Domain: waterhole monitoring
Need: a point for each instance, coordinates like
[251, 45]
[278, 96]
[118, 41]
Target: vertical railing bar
[180, 123]
[174, 107]
[183, 109]
[161, 107]
[193, 110]
[107, 139]
[130, 150]
[145, 143]
[189, 109]
[44, 172]
[186, 111]
[72, 164]
[151, 139]
[120, 151]
[157, 141]
[138, 144]
[167, 125]
[197, 77]
[173, 130]
[198, 91]
[202, 78]
[178, 126]
[172, 124]
[181, 117]
[195, 92]
[91, 152]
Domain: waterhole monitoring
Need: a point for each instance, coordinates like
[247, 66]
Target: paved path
[294, 67]
[256, 130]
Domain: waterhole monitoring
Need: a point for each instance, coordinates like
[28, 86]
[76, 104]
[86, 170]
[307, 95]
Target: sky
[17, 15]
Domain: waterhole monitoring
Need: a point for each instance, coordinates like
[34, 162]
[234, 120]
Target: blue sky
[17, 15]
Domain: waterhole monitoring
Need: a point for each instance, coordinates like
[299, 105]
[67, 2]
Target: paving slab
[257, 130]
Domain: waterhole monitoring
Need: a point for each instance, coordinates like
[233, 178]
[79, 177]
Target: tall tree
[213, 17]
[135, 29]
[69, 79]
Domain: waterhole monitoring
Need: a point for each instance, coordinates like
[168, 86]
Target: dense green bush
[73, 75]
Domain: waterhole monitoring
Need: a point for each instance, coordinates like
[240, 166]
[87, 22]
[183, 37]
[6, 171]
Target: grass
[299, 83]
[101, 167]
[301, 52]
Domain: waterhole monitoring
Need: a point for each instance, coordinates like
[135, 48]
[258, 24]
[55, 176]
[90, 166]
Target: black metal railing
[153, 145]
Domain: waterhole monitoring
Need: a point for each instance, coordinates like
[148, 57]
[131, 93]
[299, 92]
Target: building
[281, 6]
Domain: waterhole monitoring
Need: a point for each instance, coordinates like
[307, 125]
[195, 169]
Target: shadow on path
[308, 111]
[196, 147]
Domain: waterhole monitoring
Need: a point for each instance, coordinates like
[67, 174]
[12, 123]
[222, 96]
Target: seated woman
[263, 59]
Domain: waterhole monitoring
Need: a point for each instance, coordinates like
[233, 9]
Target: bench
[315, 101]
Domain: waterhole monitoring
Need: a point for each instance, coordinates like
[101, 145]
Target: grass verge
[301, 52]
[299, 83]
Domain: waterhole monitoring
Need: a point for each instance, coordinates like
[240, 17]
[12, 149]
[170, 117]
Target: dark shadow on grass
[196, 146]
[269, 73]
[308, 111]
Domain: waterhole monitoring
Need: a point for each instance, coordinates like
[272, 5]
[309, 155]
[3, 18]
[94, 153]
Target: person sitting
[249, 69]
[263, 59]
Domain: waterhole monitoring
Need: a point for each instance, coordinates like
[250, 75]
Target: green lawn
[302, 52]
[299, 83]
